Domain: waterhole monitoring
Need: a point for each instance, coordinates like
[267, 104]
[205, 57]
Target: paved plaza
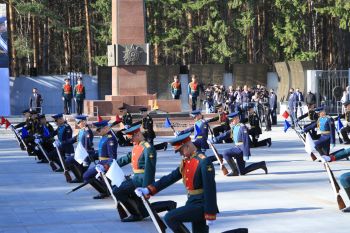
[294, 197]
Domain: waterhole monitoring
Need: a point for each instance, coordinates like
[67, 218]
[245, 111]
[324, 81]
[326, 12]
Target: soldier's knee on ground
[345, 180]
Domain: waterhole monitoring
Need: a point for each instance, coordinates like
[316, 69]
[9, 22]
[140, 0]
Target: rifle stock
[65, 171]
[222, 166]
[51, 163]
[335, 186]
[159, 224]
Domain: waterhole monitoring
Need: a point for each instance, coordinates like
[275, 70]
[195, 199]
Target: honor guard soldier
[200, 129]
[176, 88]
[346, 130]
[255, 129]
[107, 151]
[239, 133]
[193, 91]
[224, 123]
[198, 175]
[345, 182]
[64, 134]
[85, 137]
[143, 158]
[127, 122]
[28, 131]
[79, 95]
[312, 114]
[67, 95]
[27, 122]
[325, 124]
[44, 132]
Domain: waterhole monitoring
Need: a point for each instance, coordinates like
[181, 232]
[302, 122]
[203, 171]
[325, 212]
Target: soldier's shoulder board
[147, 145]
[201, 156]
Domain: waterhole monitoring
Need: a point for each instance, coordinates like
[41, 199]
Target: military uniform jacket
[143, 159]
[64, 133]
[202, 135]
[325, 125]
[31, 126]
[147, 124]
[254, 122]
[198, 176]
[127, 119]
[345, 116]
[85, 137]
[79, 92]
[67, 91]
[176, 88]
[239, 134]
[193, 89]
[107, 148]
[46, 132]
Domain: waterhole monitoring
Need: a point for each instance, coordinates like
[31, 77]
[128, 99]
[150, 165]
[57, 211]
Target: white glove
[301, 131]
[190, 96]
[99, 168]
[56, 143]
[326, 158]
[176, 133]
[127, 126]
[37, 141]
[63, 98]
[141, 191]
[210, 222]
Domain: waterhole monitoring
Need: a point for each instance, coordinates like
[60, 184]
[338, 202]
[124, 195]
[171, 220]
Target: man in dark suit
[35, 101]
[273, 106]
[292, 104]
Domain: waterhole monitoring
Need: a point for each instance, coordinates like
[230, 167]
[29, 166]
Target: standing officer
[67, 95]
[313, 116]
[107, 151]
[85, 137]
[198, 175]
[292, 104]
[193, 91]
[240, 135]
[273, 107]
[35, 101]
[255, 129]
[176, 88]
[325, 125]
[64, 134]
[143, 158]
[345, 130]
[79, 95]
[200, 130]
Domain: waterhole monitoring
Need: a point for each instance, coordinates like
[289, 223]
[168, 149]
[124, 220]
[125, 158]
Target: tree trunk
[88, 36]
[11, 31]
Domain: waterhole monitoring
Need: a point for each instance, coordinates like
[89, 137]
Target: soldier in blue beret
[240, 136]
[143, 158]
[64, 134]
[85, 137]
[200, 129]
[107, 151]
[198, 175]
[325, 125]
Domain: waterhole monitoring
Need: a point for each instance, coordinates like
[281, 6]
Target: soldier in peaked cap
[346, 130]
[255, 129]
[198, 175]
[200, 130]
[312, 114]
[107, 151]
[44, 132]
[85, 138]
[127, 122]
[239, 133]
[79, 95]
[64, 134]
[143, 158]
[325, 124]
[67, 95]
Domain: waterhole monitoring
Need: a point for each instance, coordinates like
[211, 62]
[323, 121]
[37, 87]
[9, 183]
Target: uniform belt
[252, 127]
[325, 132]
[238, 143]
[138, 171]
[103, 158]
[199, 136]
[195, 191]
[67, 92]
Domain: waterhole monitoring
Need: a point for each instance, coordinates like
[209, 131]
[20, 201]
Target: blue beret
[195, 113]
[180, 140]
[100, 124]
[60, 115]
[319, 109]
[133, 129]
[232, 115]
[80, 118]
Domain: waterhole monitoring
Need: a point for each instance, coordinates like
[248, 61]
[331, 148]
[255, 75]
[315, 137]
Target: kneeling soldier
[198, 175]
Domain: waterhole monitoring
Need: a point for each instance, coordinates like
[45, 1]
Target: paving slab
[294, 197]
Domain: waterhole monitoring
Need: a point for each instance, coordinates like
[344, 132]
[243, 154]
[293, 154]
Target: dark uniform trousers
[237, 153]
[80, 106]
[194, 103]
[80, 169]
[313, 132]
[322, 145]
[221, 129]
[67, 103]
[54, 156]
[256, 143]
[344, 133]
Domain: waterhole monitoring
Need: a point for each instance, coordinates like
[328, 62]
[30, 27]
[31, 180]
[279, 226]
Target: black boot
[133, 207]
[77, 173]
[255, 166]
[182, 229]
[269, 143]
[99, 187]
[233, 167]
